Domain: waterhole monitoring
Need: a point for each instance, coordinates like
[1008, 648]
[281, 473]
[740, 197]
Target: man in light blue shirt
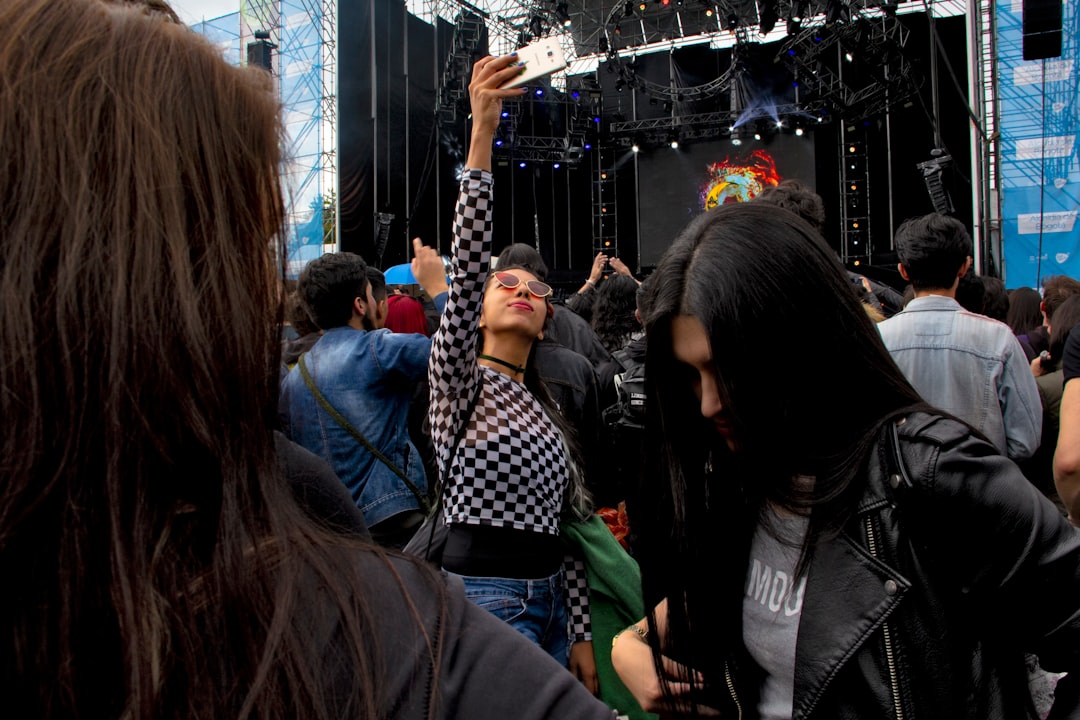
[962, 362]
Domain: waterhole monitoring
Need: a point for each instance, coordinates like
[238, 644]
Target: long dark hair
[807, 383]
[156, 564]
[613, 316]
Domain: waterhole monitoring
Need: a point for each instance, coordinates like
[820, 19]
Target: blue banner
[1039, 176]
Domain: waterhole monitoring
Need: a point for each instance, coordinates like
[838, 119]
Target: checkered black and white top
[511, 468]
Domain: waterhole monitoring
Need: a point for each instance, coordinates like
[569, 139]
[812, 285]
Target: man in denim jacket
[962, 362]
[367, 375]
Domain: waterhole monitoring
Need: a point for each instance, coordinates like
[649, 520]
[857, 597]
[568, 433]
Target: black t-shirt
[1070, 359]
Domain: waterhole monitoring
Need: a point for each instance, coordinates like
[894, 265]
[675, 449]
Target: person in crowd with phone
[881, 561]
[516, 472]
[157, 561]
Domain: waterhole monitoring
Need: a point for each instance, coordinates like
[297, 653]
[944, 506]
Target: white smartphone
[541, 58]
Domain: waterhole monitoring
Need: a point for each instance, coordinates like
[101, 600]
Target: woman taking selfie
[156, 560]
[818, 542]
[513, 477]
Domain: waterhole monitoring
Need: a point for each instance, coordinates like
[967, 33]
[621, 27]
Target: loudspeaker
[1042, 29]
[260, 54]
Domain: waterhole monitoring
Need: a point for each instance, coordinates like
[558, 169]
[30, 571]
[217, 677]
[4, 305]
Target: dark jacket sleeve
[317, 489]
[1007, 556]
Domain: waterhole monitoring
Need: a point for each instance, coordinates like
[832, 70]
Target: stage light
[641, 6]
[556, 166]
[799, 131]
[602, 44]
[793, 27]
[735, 141]
[767, 17]
[499, 142]
[757, 136]
[732, 22]
[628, 9]
[505, 113]
[536, 26]
[618, 29]
[539, 91]
[521, 164]
[588, 146]
[779, 123]
[575, 94]
[665, 3]
[635, 148]
[674, 143]
[603, 176]
[562, 13]
[836, 11]
[849, 57]
[855, 225]
[851, 148]
[820, 119]
[709, 11]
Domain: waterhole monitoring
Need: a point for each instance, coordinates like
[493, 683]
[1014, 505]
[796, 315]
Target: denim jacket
[369, 378]
[970, 366]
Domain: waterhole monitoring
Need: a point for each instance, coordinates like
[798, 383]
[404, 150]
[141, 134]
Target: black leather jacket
[952, 568]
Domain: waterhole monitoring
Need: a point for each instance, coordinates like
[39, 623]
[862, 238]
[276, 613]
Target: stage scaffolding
[301, 35]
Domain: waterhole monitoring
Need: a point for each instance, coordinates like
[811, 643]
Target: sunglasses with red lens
[511, 281]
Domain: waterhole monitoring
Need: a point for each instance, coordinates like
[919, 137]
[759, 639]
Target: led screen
[675, 185]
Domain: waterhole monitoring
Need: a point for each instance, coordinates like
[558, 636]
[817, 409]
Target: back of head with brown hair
[1056, 290]
[154, 552]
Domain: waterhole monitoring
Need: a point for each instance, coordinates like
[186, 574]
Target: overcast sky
[193, 11]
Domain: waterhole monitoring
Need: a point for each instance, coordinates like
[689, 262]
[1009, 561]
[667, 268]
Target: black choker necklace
[515, 368]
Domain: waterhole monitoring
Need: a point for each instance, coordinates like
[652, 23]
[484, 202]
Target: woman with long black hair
[817, 540]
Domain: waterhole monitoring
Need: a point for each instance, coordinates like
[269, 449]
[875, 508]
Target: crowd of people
[751, 484]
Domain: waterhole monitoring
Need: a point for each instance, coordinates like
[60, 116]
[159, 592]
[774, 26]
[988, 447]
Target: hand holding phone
[537, 60]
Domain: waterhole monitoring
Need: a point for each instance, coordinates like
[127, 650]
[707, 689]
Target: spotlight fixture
[736, 140]
[709, 11]
[628, 9]
[602, 44]
[837, 11]
[618, 29]
[794, 25]
[521, 164]
[619, 85]
[757, 136]
[767, 16]
[849, 57]
[674, 144]
[556, 166]
[641, 6]
[562, 13]
[799, 131]
[635, 147]
[732, 22]
[536, 26]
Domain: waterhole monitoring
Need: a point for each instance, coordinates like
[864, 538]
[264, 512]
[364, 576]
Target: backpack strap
[425, 506]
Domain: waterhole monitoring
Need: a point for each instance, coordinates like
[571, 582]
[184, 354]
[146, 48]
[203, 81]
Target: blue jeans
[535, 608]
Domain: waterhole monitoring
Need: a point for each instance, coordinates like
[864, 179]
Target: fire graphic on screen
[739, 179]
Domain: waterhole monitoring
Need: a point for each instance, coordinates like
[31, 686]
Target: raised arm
[453, 371]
